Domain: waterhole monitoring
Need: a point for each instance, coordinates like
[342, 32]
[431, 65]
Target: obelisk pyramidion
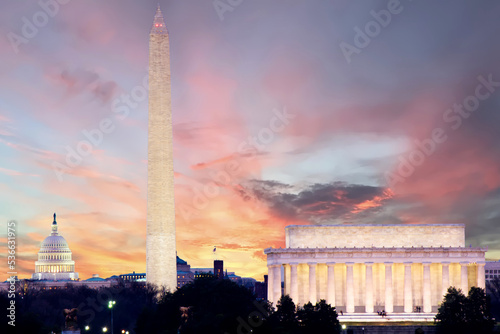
[161, 264]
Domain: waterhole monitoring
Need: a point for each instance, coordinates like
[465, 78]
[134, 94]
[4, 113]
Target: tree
[478, 311]
[459, 314]
[285, 310]
[320, 318]
[284, 320]
[451, 314]
[215, 306]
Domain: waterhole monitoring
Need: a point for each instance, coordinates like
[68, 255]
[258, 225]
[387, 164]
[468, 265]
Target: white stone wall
[359, 236]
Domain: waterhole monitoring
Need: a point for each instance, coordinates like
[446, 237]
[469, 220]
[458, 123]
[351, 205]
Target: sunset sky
[275, 123]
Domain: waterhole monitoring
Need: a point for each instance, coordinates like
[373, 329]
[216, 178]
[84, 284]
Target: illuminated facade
[160, 239]
[369, 268]
[54, 258]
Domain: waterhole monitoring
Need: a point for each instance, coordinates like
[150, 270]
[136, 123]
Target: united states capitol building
[54, 258]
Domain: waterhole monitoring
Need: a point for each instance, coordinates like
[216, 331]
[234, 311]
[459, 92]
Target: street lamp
[111, 303]
[87, 327]
[343, 328]
[104, 329]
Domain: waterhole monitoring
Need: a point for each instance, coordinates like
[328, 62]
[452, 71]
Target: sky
[284, 112]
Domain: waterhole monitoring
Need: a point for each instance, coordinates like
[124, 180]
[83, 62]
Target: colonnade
[54, 268]
[313, 293]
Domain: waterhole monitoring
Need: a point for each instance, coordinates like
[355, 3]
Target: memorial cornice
[376, 254]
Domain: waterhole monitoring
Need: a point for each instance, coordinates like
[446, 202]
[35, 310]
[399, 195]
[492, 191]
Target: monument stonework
[367, 268]
[160, 240]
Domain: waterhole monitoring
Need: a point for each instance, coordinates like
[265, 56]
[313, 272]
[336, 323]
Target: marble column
[270, 282]
[349, 287]
[408, 296]
[369, 287]
[277, 283]
[464, 279]
[445, 277]
[389, 298]
[312, 283]
[331, 284]
[427, 287]
[480, 275]
[294, 283]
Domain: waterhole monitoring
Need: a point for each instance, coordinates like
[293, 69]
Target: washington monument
[161, 264]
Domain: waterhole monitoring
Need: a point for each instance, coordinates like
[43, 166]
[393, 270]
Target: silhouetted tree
[286, 311]
[284, 320]
[216, 306]
[320, 318]
[459, 314]
[478, 311]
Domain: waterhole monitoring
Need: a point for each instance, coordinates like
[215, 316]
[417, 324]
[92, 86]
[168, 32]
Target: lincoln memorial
[367, 268]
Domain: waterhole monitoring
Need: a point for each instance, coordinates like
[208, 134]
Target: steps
[391, 317]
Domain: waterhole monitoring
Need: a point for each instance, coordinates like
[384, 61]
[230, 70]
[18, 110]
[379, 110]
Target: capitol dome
[55, 258]
[54, 241]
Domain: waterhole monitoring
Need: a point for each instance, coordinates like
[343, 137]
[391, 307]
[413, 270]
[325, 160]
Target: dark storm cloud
[319, 203]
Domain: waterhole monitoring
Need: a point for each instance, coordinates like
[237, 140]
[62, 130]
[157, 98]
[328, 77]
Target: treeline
[208, 305]
[41, 311]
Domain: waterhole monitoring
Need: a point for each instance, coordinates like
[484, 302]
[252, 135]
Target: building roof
[94, 279]
[363, 225]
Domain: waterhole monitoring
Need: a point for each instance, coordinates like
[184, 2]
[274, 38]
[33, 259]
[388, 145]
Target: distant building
[95, 282]
[184, 274]
[54, 259]
[261, 289]
[133, 277]
[219, 269]
[492, 270]
[234, 278]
